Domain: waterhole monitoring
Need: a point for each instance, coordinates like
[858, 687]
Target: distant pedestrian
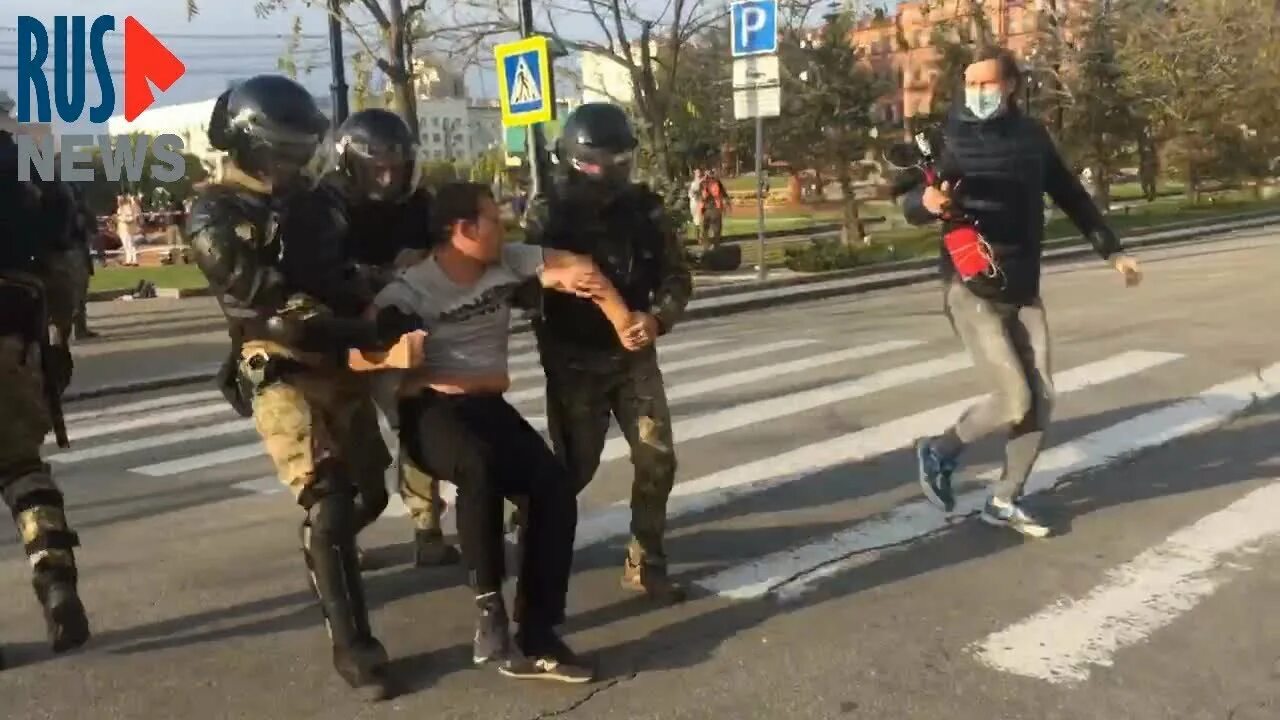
[714, 204]
[695, 202]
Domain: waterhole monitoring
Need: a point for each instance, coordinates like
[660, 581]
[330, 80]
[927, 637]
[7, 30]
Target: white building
[189, 121]
[458, 129]
[604, 79]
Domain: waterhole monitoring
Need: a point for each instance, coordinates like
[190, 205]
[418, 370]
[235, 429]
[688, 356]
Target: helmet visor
[604, 165]
[379, 172]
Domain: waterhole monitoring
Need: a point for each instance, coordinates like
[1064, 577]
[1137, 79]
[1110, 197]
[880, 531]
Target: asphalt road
[823, 588]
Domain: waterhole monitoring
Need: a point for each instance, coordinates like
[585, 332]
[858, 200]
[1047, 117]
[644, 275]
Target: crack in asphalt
[586, 698]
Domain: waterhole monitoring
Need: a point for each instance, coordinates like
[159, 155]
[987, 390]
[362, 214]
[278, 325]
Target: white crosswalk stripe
[740, 389]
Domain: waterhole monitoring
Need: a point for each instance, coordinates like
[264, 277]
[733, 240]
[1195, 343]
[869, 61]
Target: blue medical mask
[984, 103]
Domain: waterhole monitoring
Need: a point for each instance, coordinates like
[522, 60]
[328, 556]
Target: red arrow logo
[146, 61]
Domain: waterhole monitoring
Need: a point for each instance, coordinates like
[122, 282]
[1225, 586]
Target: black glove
[392, 323]
[232, 386]
[58, 367]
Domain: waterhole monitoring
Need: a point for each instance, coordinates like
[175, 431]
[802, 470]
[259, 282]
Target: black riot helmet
[377, 155]
[271, 127]
[597, 144]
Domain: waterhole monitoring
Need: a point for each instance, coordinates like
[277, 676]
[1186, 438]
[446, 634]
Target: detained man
[458, 426]
[996, 164]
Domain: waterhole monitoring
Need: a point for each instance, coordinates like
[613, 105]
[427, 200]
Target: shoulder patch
[244, 231]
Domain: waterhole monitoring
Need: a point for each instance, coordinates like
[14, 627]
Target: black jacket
[1005, 166]
[633, 242]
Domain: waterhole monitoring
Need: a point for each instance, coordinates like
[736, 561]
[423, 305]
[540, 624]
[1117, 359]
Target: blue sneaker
[935, 475]
[1013, 515]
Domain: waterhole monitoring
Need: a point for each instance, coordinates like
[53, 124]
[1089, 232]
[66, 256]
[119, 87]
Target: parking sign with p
[754, 27]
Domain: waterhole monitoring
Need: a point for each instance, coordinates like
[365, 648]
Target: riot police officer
[596, 210]
[37, 294]
[388, 226]
[293, 344]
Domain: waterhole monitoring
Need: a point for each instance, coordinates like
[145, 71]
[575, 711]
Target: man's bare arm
[578, 275]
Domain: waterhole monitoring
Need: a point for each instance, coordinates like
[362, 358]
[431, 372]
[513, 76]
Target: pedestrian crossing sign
[524, 88]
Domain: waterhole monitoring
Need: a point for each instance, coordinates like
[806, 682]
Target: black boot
[335, 575]
[64, 614]
[430, 549]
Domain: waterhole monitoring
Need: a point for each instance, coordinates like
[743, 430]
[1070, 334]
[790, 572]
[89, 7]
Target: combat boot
[430, 549]
[335, 576]
[640, 576]
[64, 615]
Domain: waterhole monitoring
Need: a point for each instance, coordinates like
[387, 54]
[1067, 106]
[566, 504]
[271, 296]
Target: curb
[817, 286]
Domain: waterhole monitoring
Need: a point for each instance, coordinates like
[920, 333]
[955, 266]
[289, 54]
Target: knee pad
[42, 524]
[330, 501]
[370, 503]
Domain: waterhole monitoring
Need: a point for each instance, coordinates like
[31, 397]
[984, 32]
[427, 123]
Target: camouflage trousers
[25, 482]
[313, 416]
[583, 392]
[419, 491]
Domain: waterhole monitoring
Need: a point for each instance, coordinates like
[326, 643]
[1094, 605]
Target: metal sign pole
[338, 88]
[763, 270]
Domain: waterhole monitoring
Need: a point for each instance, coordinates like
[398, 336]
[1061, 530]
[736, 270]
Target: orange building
[899, 47]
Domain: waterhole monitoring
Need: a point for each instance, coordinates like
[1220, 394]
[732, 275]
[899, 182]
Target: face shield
[378, 173]
[275, 153]
[608, 169]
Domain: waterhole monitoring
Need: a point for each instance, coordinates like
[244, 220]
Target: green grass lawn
[182, 277]
[911, 242]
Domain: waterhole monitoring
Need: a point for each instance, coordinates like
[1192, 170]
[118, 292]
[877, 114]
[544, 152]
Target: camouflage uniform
[29, 286]
[590, 377]
[310, 413]
[316, 418]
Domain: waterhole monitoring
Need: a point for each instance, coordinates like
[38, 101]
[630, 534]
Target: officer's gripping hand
[393, 323]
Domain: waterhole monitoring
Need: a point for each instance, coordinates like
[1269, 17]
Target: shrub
[824, 254]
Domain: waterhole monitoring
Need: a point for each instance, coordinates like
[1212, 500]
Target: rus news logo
[146, 61]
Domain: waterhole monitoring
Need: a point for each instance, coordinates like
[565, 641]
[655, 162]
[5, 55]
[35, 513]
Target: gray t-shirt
[468, 328]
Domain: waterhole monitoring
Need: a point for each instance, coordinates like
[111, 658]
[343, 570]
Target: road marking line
[536, 372]
[686, 364]
[117, 426]
[202, 461]
[728, 484]
[269, 485]
[616, 447]
[1060, 643]
[230, 427]
[751, 413]
[913, 520]
[143, 405]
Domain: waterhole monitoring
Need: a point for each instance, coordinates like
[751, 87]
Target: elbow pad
[324, 333]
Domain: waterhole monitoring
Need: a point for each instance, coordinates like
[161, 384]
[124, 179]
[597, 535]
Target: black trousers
[484, 447]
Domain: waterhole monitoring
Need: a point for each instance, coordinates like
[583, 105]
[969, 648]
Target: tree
[389, 32]
[828, 94]
[1099, 116]
[956, 41]
[625, 35]
[1186, 67]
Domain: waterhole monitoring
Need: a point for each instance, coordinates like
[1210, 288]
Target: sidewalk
[723, 294]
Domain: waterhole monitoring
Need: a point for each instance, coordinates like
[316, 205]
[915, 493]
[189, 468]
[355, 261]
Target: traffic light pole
[338, 89]
[535, 139]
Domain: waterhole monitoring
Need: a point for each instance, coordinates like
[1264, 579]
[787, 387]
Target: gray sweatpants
[1010, 349]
